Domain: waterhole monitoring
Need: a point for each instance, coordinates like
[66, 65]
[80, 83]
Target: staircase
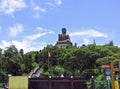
[37, 71]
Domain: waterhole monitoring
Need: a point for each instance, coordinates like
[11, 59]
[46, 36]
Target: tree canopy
[71, 61]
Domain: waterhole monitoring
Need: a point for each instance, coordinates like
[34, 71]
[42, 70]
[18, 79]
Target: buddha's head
[63, 30]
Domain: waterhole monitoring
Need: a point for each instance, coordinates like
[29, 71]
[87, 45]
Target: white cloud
[90, 33]
[86, 36]
[38, 8]
[28, 43]
[58, 2]
[35, 36]
[86, 41]
[54, 3]
[41, 32]
[5, 44]
[50, 4]
[10, 6]
[18, 44]
[41, 29]
[14, 30]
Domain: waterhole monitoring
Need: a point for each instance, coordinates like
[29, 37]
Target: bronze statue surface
[63, 38]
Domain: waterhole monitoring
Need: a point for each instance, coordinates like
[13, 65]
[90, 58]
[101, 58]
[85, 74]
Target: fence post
[71, 82]
[49, 82]
[93, 83]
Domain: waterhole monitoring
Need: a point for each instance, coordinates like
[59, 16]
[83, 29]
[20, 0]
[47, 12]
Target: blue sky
[32, 24]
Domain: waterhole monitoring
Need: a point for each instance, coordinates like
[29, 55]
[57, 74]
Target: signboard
[116, 85]
[18, 82]
[107, 72]
[108, 77]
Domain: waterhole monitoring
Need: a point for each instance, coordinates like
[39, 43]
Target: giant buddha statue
[63, 39]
